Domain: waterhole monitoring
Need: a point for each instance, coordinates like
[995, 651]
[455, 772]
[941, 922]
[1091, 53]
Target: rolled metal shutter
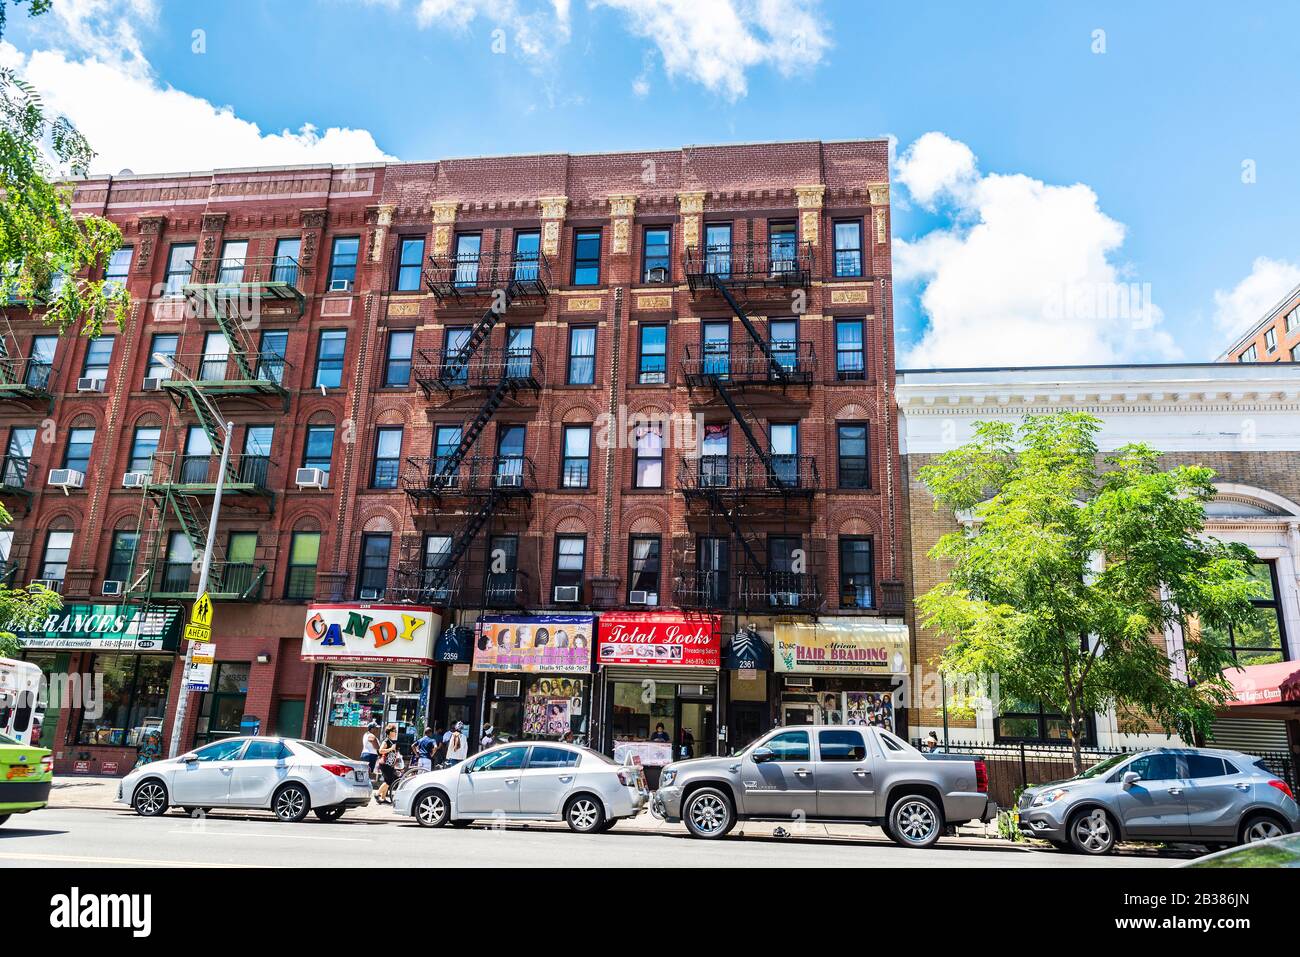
[1251, 735]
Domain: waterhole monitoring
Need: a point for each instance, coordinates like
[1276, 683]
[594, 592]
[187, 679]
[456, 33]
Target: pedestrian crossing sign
[200, 626]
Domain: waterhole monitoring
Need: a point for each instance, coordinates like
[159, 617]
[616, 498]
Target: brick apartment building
[510, 436]
[1275, 338]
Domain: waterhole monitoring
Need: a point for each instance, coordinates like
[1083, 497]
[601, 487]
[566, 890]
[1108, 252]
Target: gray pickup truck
[828, 774]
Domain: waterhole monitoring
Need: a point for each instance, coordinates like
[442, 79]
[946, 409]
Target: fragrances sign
[560, 644]
[652, 638]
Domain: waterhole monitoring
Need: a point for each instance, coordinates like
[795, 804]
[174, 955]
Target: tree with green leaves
[1069, 570]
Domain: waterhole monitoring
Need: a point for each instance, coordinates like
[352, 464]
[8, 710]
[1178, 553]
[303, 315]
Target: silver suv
[1193, 795]
[828, 773]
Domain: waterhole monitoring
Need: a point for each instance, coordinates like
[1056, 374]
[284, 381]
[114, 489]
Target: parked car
[26, 774]
[1196, 795]
[543, 781]
[830, 774]
[285, 775]
[1276, 852]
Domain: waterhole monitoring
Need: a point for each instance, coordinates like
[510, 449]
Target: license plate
[361, 776]
[18, 771]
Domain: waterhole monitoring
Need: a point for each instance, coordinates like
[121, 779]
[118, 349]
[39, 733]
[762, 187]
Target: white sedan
[285, 775]
[541, 781]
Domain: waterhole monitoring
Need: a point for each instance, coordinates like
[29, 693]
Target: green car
[26, 773]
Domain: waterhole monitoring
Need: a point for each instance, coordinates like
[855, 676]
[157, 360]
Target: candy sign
[362, 632]
[660, 639]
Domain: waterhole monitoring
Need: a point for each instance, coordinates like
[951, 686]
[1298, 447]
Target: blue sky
[1054, 173]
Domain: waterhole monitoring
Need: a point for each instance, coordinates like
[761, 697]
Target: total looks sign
[664, 639]
[402, 634]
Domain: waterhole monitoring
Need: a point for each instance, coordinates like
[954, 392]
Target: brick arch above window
[853, 411]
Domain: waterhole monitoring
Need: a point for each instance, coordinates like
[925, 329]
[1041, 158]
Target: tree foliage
[1068, 574]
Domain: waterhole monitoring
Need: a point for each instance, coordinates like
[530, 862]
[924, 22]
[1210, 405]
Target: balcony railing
[300, 583]
[227, 581]
[245, 472]
[457, 278]
[265, 273]
[476, 475]
[423, 585]
[13, 474]
[444, 369]
[21, 376]
[774, 263]
[772, 591]
[223, 372]
[748, 475]
[745, 362]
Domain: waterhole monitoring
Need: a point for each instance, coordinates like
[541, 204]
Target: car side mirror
[189, 758]
[466, 768]
[1130, 778]
[761, 755]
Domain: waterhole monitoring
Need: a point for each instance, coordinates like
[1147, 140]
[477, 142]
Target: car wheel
[708, 814]
[1092, 831]
[329, 813]
[431, 809]
[150, 799]
[915, 821]
[584, 814]
[291, 803]
[1260, 827]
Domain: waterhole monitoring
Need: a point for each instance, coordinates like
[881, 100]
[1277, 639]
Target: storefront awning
[103, 628]
[455, 646]
[842, 646]
[366, 633]
[747, 652]
[1278, 683]
[660, 640]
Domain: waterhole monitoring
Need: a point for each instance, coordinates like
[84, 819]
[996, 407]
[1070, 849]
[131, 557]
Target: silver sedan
[541, 781]
[288, 776]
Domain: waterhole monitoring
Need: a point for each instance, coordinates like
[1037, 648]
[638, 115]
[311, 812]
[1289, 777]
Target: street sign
[198, 633]
[200, 626]
[199, 677]
[203, 654]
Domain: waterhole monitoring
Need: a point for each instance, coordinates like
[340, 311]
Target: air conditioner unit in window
[638, 598]
[785, 599]
[135, 480]
[370, 594]
[566, 593]
[657, 274]
[340, 285]
[53, 584]
[504, 688]
[509, 480]
[402, 684]
[154, 383]
[798, 681]
[90, 384]
[67, 478]
[311, 478]
[110, 587]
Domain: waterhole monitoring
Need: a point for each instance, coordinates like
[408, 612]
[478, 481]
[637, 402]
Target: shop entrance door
[797, 712]
[746, 724]
[696, 729]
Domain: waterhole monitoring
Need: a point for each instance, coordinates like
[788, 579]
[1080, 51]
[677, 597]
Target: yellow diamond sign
[200, 626]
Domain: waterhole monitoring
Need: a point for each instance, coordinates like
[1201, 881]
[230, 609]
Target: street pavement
[101, 838]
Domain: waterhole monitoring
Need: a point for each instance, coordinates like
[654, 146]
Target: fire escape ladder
[728, 514]
[473, 431]
[779, 372]
[751, 425]
[453, 366]
[462, 542]
[211, 426]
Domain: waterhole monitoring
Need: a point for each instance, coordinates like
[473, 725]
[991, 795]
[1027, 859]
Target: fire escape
[461, 489]
[728, 566]
[238, 368]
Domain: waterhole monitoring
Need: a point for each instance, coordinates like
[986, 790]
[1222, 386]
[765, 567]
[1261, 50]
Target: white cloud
[1237, 309]
[716, 42]
[1025, 274]
[91, 68]
[537, 32]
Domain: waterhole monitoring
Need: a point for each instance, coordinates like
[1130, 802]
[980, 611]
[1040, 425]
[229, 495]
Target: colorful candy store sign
[370, 633]
[559, 644]
[842, 646]
[660, 638]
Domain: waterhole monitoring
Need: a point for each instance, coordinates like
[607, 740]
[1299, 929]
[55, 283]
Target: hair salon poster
[559, 644]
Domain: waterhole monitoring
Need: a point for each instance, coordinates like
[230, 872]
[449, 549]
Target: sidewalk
[87, 791]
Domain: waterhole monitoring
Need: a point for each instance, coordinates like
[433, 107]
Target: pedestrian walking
[370, 747]
[489, 738]
[424, 749]
[390, 764]
[457, 744]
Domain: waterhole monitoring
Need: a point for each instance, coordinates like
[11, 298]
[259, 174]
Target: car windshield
[320, 750]
[1097, 770]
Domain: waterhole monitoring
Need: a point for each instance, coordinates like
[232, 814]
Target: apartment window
[782, 550]
[121, 556]
[18, 458]
[570, 559]
[77, 453]
[586, 257]
[1295, 353]
[330, 348]
[582, 355]
[410, 264]
[144, 443]
[343, 263]
[850, 357]
[1270, 339]
[1293, 319]
[197, 461]
[437, 551]
[502, 587]
[716, 347]
[397, 364]
[41, 363]
[648, 460]
[784, 446]
[117, 270]
[304, 553]
[372, 578]
[1022, 720]
[234, 252]
[468, 247]
[784, 341]
[216, 356]
[1260, 639]
[99, 357]
[713, 571]
[782, 246]
[180, 564]
[1250, 355]
[388, 458]
[657, 254]
[180, 263]
[857, 573]
[241, 553]
[510, 455]
[271, 351]
[848, 248]
[446, 440]
[576, 471]
[717, 249]
[715, 469]
[319, 448]
[643, 569]
[285, 267]
[519, 352]
[454, 372]
[528, 255]
[652, 368]
[161, 345]
[58, 546]
[852, 452]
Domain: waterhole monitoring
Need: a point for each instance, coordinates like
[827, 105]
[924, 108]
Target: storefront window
[661, 721]
[356, 699]
[1021, 720]
[135, 699]
[547, 707]
[222, 708]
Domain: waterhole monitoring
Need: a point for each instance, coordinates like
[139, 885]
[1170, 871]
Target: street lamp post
[183, 696]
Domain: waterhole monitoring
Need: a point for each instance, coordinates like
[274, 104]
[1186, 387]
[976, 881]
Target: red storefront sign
[660, 638]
